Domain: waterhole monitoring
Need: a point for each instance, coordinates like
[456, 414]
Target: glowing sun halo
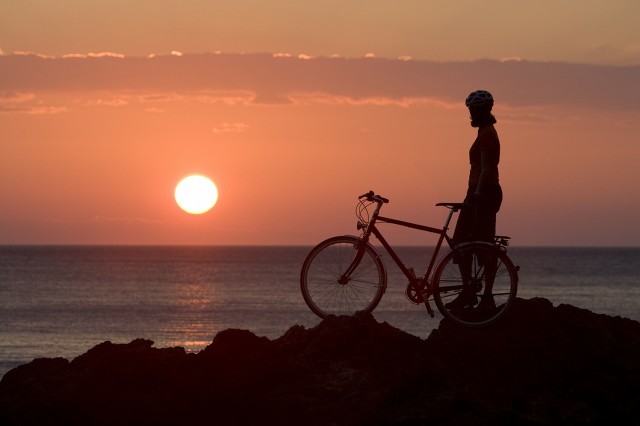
[196, 194]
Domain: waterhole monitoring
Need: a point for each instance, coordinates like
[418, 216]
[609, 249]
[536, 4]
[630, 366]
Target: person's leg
[464, 226]
[463, 233]
[487, 230]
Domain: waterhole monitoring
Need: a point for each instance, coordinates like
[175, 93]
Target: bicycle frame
[371, 228]
[408, 272]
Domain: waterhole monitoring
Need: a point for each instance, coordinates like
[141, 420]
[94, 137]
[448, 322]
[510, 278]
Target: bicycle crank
[415, 289]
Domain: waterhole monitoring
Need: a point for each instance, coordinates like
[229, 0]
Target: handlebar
[371, 196]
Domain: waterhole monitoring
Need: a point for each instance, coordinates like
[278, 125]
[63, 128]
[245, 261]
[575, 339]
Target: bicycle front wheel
[322, 281]
[475, 284]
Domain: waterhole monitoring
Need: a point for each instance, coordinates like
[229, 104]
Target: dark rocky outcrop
[540, 365]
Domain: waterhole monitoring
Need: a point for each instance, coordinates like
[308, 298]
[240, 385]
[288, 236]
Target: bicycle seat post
[449, 217]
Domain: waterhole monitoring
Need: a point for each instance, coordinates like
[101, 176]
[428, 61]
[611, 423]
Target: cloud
[327, 99]
[160, 97]
[47, 109]
[511, 59]
[112, 102]
[37, 109]
[302, 56]
[106, 55]
[231, 128]
[93, 55]
[224, 97]
[26, 103]
[204, 96]
[15, 97]
[513, 115]
[155, 110]
[280, 78]
[34, 54]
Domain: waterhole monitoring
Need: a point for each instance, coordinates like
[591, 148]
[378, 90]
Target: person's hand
[468, 201]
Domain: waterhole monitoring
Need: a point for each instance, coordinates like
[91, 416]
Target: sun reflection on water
[189, 322]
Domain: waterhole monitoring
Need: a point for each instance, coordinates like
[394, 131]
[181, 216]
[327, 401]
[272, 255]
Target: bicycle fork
[346, 275]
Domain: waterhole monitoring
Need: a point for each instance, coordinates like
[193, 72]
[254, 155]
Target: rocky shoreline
[541, 365]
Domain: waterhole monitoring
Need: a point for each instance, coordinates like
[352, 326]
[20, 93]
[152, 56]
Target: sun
[196, 194]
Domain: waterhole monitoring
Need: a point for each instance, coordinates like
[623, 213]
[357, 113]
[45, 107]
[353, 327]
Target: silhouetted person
[477, 222]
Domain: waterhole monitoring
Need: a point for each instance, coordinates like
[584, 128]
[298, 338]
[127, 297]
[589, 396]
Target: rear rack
[502, 240]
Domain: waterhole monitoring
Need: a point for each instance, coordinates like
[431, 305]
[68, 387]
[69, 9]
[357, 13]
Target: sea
[60, 301]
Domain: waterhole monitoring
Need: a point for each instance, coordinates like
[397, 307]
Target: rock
[540, 365]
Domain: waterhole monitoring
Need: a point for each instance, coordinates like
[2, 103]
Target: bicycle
[345, 274]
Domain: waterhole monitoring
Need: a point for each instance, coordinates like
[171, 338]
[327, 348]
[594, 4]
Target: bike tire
[449, 280]
[326, 263]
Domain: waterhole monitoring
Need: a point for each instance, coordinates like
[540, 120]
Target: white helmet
[479, 98]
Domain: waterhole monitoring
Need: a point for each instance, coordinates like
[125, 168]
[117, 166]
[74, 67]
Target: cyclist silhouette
[477, 222]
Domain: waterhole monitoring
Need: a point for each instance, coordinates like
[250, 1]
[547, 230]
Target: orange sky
[92, 147]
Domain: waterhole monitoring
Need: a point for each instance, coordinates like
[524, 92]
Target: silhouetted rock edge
[540, 365]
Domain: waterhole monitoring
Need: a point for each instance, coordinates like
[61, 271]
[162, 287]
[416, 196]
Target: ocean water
[63, 300]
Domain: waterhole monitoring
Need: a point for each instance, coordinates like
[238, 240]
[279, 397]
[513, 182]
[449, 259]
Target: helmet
[479, 98]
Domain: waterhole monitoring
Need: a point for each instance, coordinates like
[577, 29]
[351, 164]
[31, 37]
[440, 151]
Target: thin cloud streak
[231, 128]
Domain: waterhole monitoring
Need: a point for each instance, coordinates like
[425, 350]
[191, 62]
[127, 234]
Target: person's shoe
[464, 299]
[487, 303]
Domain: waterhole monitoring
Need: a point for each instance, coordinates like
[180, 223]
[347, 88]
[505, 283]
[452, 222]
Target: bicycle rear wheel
[475, 284]
[320, 279]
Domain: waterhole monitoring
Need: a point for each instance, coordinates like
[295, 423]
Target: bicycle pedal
[429, 309]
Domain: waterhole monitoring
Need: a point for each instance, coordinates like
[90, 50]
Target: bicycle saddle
[454, 206]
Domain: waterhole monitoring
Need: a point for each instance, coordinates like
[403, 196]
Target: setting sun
[196, 194]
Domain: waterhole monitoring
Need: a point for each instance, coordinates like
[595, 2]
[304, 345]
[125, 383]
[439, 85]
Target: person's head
[480, 104]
